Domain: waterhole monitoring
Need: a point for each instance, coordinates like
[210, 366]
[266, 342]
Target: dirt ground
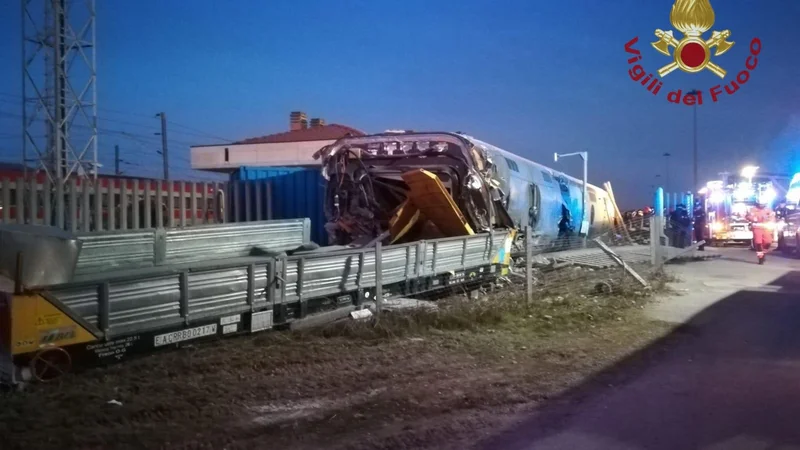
[425, 379]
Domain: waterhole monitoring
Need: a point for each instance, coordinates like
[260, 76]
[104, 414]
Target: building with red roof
[295, 147]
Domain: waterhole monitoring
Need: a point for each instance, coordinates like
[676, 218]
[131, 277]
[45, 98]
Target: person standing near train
[762, 222]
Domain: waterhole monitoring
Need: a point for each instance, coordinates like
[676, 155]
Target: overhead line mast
[59, 79]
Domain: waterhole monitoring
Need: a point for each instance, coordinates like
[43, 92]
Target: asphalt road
[728, 378]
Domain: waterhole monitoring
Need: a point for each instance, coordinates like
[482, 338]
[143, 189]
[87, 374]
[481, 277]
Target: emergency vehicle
[726, 203]
[789, 218]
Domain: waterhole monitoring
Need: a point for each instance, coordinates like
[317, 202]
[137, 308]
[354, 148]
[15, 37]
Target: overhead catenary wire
[192, 131]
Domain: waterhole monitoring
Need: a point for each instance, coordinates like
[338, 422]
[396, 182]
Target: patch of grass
[660, 279]
[506, 308]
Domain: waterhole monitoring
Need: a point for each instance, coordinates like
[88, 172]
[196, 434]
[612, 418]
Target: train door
[550, 201]
[570, 196]
[535, 202]
[517, 195]
[589, 221]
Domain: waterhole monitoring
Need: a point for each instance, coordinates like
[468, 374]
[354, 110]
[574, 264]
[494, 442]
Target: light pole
[666, 182]
[654, 186]
[585, 157]
[749, 172]
[695, 93]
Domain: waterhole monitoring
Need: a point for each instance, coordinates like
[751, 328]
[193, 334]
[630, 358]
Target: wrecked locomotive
[406, 186]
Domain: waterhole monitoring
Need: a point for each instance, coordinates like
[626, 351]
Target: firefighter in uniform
[762, 222]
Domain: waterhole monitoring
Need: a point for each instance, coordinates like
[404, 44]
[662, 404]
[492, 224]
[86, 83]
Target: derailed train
[493, 188]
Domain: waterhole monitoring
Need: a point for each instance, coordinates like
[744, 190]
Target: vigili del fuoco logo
[692, 54]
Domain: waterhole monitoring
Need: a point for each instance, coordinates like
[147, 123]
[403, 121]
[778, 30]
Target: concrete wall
[280, 154]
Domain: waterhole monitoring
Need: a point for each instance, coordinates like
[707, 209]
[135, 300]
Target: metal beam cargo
[103, 317]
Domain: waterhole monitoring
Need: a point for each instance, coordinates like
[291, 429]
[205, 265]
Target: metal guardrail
[172, 296]
[234, 240]
[113, 250]
[117, 250]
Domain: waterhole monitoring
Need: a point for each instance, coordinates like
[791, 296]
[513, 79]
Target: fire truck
[727, 201]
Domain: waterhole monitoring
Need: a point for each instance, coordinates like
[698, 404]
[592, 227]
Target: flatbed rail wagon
[71, 300]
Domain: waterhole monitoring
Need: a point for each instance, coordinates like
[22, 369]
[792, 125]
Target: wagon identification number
[185, 335]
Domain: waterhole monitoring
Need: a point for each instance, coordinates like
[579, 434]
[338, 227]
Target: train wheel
[50, 363]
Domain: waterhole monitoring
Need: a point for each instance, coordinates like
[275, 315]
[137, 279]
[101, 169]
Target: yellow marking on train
[36, 323]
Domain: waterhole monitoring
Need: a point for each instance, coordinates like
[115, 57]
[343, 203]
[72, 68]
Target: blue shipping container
[297, 192]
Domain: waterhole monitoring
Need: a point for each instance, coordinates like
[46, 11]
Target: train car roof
[462, 137]
[507, 154]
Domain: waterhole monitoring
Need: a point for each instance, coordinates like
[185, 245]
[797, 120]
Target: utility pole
[695, 93]
[116, 160]
[164, 152]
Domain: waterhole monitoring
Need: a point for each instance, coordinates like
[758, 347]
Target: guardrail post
[272, 283]
[183, 282]
[464, 253]
[433, 262]
[359, 278]
[378, 277]
[251, 286]
[528, 266]
[407, 283]
[299, 287]
[159, 246]
[284, 275]
[104, 305]
[491, 253]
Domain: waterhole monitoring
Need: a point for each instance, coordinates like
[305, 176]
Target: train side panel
[536, 194]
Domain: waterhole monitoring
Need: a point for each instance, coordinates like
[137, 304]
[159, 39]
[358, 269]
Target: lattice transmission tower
[59, 88]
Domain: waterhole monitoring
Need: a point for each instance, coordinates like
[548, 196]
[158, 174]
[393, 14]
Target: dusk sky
[532, 77]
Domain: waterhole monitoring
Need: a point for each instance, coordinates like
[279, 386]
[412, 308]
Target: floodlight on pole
[749, 172]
